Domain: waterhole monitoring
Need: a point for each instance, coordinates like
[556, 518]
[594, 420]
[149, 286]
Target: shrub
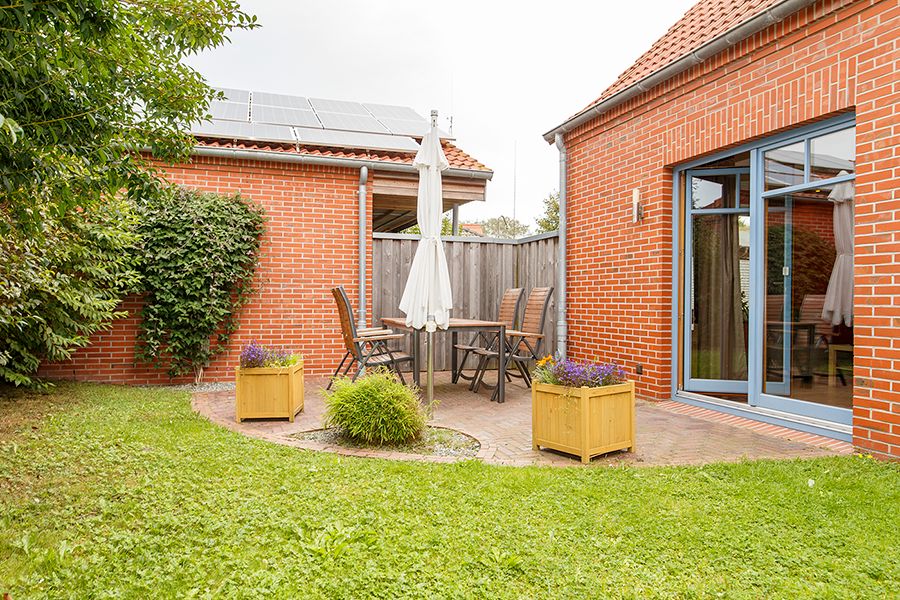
[254, 355]
[573, 373]
[375, 409]
[199, 254]
[60, 285]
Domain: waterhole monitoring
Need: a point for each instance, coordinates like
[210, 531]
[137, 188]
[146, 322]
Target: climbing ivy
[199, 253]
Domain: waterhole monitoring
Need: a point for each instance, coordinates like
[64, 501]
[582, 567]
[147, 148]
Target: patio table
[456, 327]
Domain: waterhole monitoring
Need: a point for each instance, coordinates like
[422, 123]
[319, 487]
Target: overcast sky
[507, 72]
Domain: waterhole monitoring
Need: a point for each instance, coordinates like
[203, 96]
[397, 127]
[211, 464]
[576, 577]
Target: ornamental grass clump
[255, 356]
[375, 409]
[574, 373]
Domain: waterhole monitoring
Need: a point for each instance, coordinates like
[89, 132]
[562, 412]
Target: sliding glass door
[767, 275]
[806, 276]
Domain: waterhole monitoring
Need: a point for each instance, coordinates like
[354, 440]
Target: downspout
[561, 325]
[363, 231]
[454, 224]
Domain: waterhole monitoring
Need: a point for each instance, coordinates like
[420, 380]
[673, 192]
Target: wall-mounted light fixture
[637, 210]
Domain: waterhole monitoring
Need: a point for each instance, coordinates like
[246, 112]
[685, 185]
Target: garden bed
[436, 441]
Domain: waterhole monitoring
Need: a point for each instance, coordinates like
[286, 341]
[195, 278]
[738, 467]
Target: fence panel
[480, 270]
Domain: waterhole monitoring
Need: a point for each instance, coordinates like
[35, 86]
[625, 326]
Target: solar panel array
[266, 117]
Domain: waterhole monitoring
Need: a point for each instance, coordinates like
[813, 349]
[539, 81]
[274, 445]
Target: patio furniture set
[521, 342]
[585, 419]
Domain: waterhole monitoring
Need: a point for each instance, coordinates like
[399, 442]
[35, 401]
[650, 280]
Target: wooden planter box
[583, 421]
[266, 393]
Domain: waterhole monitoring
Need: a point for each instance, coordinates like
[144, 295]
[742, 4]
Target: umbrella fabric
[839, 297]
[427, 291]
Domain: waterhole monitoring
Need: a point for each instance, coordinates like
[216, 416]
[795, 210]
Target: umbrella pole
[429, 359]
[429, 385]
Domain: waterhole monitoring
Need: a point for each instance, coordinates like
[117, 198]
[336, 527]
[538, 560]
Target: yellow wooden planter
[269, 392]
[583, 421]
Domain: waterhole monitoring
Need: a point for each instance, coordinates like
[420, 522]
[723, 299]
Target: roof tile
[702, 23]
[455, 156]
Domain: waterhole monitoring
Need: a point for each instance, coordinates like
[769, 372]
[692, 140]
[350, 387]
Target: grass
[118, 492]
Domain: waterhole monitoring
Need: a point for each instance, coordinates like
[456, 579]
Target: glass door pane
[719, 303]
[717, 282]
[808, 348]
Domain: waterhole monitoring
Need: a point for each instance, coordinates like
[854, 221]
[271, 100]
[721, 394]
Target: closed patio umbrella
[427, 298]
[839, 297]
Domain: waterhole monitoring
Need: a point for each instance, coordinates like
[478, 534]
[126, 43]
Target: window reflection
[784, 166]
[832, 155]
[808, 351]
[712, 191]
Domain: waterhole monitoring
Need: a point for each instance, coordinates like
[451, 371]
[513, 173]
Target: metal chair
[521, 346]
[366, 347]
[508, 314]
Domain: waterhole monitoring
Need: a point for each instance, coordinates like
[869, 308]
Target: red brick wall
[831, 58]
[310, 245]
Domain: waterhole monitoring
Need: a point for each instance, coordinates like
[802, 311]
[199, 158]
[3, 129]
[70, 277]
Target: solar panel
[271, 133]
[284, 116]
[338, 106]
[232, 111]
[234, 95]
[244, 131]
[281, 100]
[355, 139]
[406, 127]
[219, 128]
[384, 111]
[351, 122]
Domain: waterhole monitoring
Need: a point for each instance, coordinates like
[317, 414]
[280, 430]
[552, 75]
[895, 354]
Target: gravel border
[460, 444]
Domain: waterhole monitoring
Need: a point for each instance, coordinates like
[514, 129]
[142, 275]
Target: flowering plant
[255, 355]
[573, 373]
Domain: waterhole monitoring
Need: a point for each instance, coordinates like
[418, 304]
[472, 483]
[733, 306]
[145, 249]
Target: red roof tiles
[702, 23]
[456, 157]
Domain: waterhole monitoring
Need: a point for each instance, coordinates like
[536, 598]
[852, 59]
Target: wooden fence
[480, 270]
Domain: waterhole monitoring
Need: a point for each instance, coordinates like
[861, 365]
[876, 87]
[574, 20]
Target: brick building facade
[824, 60]
[310, 194]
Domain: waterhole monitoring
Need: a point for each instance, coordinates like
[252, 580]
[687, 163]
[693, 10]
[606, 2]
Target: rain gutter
[561, 325]
[728, 39]
[329, 161]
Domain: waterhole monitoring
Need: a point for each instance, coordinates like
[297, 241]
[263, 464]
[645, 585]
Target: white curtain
[839, 297]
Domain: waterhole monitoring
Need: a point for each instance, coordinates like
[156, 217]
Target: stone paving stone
[669, 433]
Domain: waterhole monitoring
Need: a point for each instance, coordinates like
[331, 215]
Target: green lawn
[117, 492]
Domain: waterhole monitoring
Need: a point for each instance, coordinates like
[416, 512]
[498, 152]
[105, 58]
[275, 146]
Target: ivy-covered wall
[309, 246]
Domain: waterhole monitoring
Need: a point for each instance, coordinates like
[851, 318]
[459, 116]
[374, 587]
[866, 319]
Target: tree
[86, 86]
[549, 221]
[59, 287]
[504, 227]
[446, 227]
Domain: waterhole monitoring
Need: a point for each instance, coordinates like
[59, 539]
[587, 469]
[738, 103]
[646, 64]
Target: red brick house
[328, 173]
[709, 196]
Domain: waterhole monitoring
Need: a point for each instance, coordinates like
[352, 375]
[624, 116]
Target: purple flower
[573, 373]
[255, 355]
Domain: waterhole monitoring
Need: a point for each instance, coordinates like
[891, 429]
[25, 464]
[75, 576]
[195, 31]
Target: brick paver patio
[669, 433]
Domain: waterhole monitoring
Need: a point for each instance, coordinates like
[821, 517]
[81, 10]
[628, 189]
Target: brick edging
[778, 431]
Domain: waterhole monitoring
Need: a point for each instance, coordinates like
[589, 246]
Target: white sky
[507, 72]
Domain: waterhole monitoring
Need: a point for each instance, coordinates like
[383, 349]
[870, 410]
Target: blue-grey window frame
[755, 396]
[725, 386]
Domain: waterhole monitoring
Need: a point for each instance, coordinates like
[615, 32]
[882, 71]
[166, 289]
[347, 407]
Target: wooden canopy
[394, 198]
